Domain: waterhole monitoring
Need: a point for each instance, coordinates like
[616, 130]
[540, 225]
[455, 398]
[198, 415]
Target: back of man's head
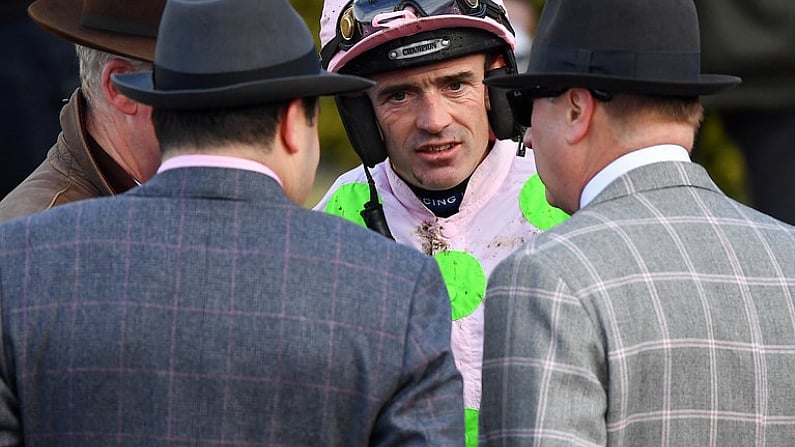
[205, 129]
[92, 63]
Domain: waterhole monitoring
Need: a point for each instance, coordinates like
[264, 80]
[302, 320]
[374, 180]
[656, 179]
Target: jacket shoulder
[47, 186]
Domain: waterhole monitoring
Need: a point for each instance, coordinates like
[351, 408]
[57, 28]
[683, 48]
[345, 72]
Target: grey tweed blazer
[661, 314]
[206, 309]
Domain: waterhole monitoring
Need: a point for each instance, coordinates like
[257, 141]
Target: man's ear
[112, 94]
[291, 126]
[579, 116]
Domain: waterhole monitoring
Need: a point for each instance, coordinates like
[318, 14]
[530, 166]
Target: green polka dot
[465, 280]
[348, 202]
[534, 205]
[471, 427]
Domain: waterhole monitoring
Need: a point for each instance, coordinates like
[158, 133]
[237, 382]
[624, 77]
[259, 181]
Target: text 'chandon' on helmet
[366, 37]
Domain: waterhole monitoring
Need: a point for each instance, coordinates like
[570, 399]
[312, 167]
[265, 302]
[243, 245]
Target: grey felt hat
[623, 46]
[233, 53]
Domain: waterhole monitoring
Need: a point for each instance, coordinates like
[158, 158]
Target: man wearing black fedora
[107, 144]
[208, 306]
[662, 312]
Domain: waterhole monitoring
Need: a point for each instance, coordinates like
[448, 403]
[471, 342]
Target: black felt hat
[233, 53]
[623, 46]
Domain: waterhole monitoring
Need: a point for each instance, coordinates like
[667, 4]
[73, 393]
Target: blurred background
[39, 71]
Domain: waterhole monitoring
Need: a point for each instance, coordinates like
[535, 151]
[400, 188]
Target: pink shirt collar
[217, 161]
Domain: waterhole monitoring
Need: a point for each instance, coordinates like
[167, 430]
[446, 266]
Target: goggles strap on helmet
[356, 22]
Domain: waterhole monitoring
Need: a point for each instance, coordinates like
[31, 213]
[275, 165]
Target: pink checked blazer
[661, 314]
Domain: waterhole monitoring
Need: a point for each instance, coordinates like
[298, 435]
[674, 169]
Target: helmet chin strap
[521, 149]
[373, 212]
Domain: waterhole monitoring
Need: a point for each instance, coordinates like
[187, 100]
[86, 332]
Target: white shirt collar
[628, 162]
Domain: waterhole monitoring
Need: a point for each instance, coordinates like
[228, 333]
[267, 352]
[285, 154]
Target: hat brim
[707, 84]
[62, 17]
[139, 86]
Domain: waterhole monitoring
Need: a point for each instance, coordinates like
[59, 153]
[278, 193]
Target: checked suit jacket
[205, 309]
[661, 314]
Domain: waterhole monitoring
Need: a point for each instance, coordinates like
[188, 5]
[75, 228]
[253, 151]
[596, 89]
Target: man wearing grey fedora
[662, 312]
[207, 306]
[107, 144]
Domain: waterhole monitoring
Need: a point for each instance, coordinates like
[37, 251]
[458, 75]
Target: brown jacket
[69, 173]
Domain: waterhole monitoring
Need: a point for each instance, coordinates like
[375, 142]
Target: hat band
[673, 67]
[119, 26]
[165, 79]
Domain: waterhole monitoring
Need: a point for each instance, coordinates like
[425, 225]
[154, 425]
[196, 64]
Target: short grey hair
[92, 62]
